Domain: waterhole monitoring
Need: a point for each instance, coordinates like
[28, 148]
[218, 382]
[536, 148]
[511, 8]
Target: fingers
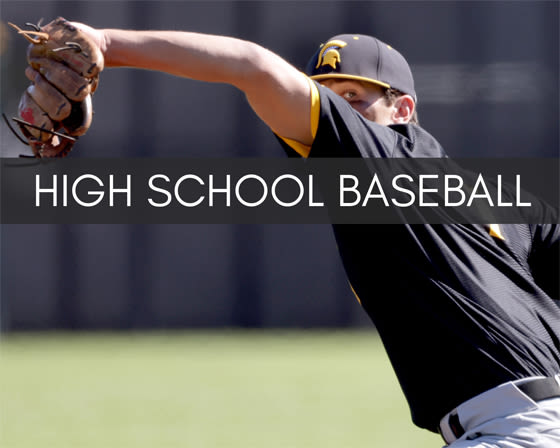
[65, 61]
[82, 51]
[55, 148]
[30, 112]
[49, 99]
[67, 81]
[44, 143]
[45, 106]
[80, 119]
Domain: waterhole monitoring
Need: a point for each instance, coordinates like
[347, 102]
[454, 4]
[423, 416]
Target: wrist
[105, 46]
[98, 36]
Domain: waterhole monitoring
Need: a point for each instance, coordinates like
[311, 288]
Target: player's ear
[403, 108]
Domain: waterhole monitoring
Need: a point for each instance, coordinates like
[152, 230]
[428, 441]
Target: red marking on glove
[27, 115]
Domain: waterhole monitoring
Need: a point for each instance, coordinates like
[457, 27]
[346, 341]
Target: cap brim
[354, 77]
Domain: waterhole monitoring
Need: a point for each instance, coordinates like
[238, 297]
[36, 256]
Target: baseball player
[469, 314]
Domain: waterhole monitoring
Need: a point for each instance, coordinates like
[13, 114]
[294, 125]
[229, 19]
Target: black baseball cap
[363, 58]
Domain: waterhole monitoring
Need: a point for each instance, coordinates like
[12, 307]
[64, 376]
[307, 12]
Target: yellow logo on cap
[329, 55]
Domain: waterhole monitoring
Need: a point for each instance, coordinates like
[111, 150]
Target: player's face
[367, 98]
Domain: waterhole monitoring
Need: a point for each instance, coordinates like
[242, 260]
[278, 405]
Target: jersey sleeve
[294, 148]
[340, 131]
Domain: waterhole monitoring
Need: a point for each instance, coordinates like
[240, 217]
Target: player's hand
[97, 36]
[65, 60]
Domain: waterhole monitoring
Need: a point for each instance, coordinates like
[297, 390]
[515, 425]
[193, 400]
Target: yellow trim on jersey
[315, 107]
[354, 77]
[496, 232]
[355, 294]
[300, 148]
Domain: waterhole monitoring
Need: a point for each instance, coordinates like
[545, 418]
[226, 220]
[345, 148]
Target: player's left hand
[65, 61]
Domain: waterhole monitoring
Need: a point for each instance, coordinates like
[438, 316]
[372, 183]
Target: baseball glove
[64, 67]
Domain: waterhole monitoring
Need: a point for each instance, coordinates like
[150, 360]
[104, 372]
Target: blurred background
[206, 375]
[487, 81]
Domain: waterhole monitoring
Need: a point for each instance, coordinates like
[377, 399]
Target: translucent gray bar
[250, 190]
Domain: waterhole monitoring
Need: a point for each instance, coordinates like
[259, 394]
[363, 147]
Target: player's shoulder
[370, 138]
[415, 141]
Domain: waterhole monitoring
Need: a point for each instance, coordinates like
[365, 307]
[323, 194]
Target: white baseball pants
[504, 417]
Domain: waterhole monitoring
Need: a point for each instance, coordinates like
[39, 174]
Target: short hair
[391, 95]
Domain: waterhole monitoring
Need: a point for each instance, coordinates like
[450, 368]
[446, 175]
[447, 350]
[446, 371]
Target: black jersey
[459, 308]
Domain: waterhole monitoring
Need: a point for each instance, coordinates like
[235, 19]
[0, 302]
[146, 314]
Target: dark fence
[487, 81]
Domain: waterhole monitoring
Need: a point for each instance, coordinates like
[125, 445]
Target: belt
[537, 389]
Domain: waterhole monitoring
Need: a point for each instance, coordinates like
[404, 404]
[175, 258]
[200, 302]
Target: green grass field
[202, 389]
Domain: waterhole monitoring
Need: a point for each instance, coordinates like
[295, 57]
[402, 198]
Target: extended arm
[277, 92]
